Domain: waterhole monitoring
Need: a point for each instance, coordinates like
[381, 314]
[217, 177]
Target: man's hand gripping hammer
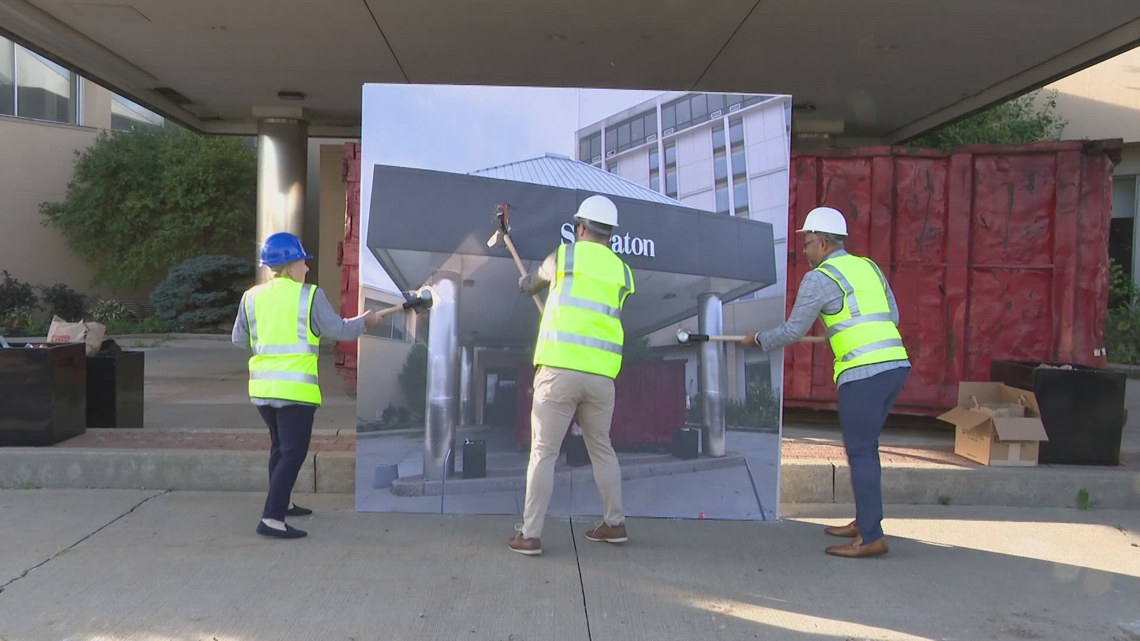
[502, 217]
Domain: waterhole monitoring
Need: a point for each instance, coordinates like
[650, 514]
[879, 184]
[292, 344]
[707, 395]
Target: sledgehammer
[504, 232]
[420, 303]
[685, 336]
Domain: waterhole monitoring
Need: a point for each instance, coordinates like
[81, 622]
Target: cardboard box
[995, 424]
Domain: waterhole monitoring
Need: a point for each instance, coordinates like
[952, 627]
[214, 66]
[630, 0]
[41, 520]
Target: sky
[465, 128]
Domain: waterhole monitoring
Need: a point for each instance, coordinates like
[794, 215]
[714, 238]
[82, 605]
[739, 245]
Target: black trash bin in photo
[1082, 408]
[474, 459]
[576, 453]
[686, 442]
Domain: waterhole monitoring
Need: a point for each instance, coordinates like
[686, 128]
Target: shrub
[15, 294]
[106, 311]
[1122, 331]
[202, 291]
[63, 301]
[149, 325]
[140, 202]
[760, 410]
[16, 317]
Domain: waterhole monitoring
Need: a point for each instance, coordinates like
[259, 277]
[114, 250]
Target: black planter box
[115, 390]
[1082, 409]
[43, 392]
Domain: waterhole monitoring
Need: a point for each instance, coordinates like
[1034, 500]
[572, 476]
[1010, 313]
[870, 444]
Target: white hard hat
[825, 220]
[598, 209]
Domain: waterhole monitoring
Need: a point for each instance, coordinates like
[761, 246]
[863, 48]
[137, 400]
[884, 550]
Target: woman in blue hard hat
[282, 322]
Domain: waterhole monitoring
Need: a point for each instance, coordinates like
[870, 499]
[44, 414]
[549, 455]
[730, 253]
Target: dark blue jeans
[290, 429]
[863, 409]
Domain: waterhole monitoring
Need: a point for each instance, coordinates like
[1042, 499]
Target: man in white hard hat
[852, 298]
[577, 357]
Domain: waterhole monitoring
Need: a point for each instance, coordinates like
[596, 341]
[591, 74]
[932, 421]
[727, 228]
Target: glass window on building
[722, 204]
[44, 90]
[671, 169]
[739, 167]
[126, 114]
[740, 196]
[720, 170]
[700, 107]
[7, 78]
[668, 118]
[649, 121]
[392, 326]
[654, 169]
[1122, 229]
[716, 105]
[623, 136]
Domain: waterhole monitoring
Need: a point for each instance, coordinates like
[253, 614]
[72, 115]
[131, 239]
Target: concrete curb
[801, 481]
[417, 486]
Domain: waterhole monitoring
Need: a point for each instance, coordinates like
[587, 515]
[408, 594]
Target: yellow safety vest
[863, 332]
[284, 361]
[581, 325]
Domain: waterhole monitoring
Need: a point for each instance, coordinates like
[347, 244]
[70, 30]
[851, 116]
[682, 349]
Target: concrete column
[713, 374]
[282, 159]
[466, 406]
[441, 410]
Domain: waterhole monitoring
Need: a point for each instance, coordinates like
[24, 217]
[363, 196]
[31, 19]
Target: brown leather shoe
[608, 533]
[856, 550]
[529, 547]
[848, 531]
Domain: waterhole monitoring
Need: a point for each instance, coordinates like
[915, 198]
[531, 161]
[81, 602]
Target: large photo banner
[466, 189]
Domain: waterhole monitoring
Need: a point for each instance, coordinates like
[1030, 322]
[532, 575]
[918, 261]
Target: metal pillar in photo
[282, 148]
[713, 372]
[466, 407]
[442, 377]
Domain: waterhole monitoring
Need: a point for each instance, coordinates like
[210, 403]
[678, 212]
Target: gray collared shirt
[817, 295]
[324, 321]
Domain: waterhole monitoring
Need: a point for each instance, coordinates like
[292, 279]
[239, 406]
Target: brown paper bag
[91, 334]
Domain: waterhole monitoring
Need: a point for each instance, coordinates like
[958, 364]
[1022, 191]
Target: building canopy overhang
[875, 70]
[423, 223]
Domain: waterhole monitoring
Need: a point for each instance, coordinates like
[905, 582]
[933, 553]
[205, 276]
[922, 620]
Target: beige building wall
[1100, 102]
[38, 160]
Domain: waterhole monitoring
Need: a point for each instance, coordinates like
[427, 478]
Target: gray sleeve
[816, 291]
[327, 323]
[240, 334]
[540, 279]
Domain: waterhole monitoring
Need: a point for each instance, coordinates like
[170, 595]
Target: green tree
[144, 200]
[1030, 118]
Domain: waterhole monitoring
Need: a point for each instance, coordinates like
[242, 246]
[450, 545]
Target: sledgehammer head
[421, 303]
[685, 336]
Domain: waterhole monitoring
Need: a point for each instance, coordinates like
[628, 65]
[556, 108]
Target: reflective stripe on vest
[863, 331]
[284, 361]
[581, 325]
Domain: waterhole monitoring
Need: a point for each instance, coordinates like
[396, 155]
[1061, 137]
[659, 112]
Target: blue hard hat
[282, 248]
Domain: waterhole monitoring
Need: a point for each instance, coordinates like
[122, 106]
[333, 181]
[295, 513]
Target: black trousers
[290, 429]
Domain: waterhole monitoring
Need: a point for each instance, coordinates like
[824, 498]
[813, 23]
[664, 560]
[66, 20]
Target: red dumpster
[993, 252]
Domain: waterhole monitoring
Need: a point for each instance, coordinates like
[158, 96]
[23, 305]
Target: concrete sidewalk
[129, 565]
[202, 434]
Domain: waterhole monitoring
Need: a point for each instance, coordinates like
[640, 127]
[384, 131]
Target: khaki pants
[558, 395]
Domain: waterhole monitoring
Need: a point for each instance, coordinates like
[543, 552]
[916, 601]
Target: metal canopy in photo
[424, 221]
